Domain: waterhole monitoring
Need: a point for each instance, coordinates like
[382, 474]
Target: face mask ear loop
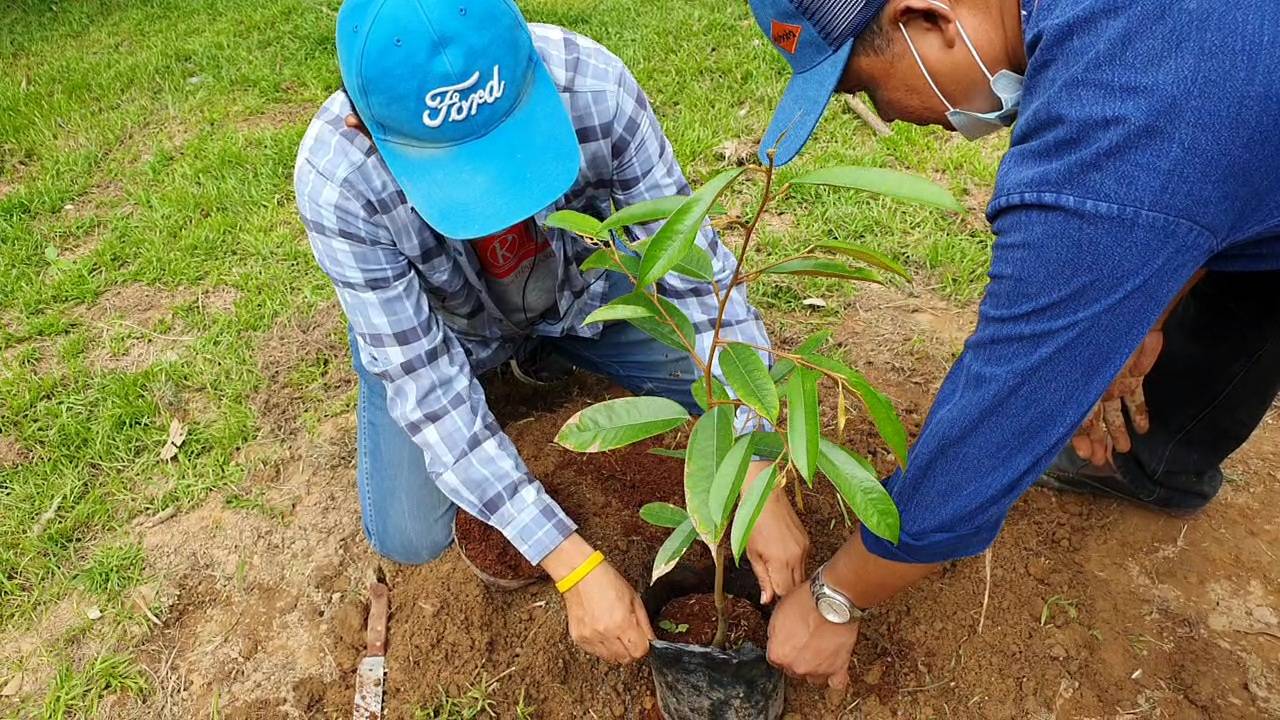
[923, 71]
[968, 43]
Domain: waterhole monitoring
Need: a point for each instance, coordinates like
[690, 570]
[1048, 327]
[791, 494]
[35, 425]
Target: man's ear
[354, 122]
[923, 16]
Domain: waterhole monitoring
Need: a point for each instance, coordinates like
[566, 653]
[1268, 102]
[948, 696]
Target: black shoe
[533, 364]
[1071, 473]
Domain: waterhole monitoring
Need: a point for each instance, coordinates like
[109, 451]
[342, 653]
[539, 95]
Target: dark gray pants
[1214, 382]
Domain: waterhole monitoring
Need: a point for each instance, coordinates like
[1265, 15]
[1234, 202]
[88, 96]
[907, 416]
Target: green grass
[112, 569]
[137, 150]
[475, 701]
[78, 692]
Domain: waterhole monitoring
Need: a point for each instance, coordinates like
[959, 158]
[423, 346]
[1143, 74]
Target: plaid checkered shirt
[423, 320]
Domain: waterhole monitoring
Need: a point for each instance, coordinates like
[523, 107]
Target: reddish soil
[1149, 616]
[490, 552]
[746, 624]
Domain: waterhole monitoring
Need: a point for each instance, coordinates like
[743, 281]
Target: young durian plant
[784, 392]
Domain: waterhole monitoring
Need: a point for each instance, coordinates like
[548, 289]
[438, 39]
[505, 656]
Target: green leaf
[856, 481]
[822, 267]
[672, 627]
[782, 367]
[695, 264]
[728, 483]
[890, 183]
[673, 240]
[604, 259]
[663, 514]
[709, 442]
[699, 391]
[574, 222]
[657, 326]
[627, 307]
[673, 548]
[615, 423]
[802, 422]
[866, 255]
[878, 405]
[51, 253]
[744, 519]
[749, 378]
[645, 211]
[767, 443]
[667, 453]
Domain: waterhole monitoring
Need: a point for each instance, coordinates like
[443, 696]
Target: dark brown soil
[698, 612]
[490, 552]
[922, 656]
[1170, 618]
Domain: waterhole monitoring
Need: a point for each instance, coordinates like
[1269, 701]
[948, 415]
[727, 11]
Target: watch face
[833, 610]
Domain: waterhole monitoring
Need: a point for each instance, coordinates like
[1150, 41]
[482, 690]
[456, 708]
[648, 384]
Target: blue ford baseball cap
[816, 38]
[461, 108]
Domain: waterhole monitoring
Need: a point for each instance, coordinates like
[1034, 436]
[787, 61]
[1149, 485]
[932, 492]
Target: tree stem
[722, 618]
[799, 491]
[737, 275]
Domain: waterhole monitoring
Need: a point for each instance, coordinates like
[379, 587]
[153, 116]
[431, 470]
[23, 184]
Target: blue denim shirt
[1146, 148]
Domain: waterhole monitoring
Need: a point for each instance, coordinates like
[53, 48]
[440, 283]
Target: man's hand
[803, 644]
[606, 617]
[1105, 430]
[779, 546]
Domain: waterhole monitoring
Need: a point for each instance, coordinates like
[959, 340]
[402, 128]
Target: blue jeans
[406, 517]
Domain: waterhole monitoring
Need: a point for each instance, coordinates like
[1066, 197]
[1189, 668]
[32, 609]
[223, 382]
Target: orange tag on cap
[785, 35]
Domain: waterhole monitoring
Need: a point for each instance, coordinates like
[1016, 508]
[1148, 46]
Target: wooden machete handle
[379, 606]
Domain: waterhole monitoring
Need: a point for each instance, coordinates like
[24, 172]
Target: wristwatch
[834, 606]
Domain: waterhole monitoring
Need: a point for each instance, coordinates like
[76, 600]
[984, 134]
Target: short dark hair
[875, 39]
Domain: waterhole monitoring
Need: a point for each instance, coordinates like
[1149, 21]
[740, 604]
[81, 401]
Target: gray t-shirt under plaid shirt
[425, 320]
[519, 271]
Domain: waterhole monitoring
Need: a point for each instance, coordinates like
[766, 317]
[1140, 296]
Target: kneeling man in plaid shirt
[423, 185]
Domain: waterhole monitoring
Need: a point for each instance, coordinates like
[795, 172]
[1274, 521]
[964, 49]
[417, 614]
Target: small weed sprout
[672, 627]
[523, 711]
[1070, 607]
[779, 387]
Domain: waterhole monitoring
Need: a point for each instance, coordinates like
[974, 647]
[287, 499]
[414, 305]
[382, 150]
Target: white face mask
[1006, 84]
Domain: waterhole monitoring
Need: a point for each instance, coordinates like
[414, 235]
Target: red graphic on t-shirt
[501, 254]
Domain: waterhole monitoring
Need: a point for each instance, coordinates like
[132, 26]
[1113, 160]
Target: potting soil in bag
[701, 683]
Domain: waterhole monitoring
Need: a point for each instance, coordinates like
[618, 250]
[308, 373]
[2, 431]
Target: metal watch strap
[824, 593]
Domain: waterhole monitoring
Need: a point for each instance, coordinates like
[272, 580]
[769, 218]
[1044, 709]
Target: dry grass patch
[12, 454]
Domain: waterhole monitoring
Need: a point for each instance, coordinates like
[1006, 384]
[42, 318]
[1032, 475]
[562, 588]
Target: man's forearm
[868, 579]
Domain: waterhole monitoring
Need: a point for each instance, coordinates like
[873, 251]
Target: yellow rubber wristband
[568, 581]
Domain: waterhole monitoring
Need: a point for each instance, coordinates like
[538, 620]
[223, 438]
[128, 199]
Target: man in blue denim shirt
[1142, 172]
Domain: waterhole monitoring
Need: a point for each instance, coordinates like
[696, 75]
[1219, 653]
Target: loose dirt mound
[261, 606]
[1096, 609]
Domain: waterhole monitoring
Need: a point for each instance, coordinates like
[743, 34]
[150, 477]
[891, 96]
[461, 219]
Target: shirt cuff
[747, 420]
[533, 523]
[935, 548]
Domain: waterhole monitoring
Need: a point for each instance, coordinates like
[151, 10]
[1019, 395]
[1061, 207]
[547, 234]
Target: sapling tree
[783, 391]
